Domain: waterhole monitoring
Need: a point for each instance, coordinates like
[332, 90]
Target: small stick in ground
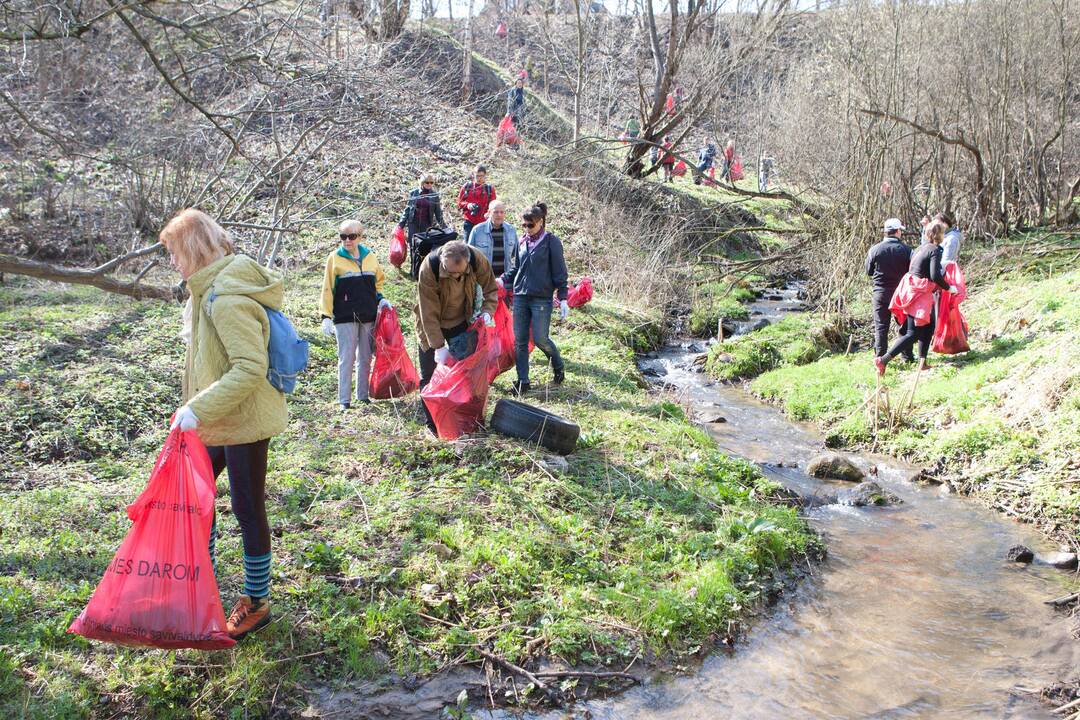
[551, 693]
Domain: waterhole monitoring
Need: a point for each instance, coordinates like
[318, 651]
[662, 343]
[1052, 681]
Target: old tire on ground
[535, 425]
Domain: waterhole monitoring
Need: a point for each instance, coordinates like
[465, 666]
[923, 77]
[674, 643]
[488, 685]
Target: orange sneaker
[248, 615]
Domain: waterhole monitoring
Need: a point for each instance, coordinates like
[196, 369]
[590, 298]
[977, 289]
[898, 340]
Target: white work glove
[953, 289]
[564, 309]
[442, 355]
[384, 304]
[184, 419]
[328, 327]
[488, 320]
[499, 282]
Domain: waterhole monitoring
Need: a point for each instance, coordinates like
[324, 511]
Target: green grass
[792, 341]
[1002, 421]
[651, 542]
[716, 300]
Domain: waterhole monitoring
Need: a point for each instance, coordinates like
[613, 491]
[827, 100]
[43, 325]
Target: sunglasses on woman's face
[528, 224]
[350, 236]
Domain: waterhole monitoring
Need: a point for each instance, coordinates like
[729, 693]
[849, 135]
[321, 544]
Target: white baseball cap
[894, 224]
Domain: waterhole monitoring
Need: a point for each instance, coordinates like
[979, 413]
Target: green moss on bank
[794, 340]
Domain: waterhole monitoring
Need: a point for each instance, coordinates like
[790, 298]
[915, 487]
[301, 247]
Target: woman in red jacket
[473, 201]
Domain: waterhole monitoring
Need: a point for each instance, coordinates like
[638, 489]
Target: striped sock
[257, 575]
[212, 544]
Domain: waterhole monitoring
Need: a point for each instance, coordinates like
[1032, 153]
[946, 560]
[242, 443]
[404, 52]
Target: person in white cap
[886, 263]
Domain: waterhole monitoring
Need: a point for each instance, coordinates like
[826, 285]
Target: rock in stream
[836, 467]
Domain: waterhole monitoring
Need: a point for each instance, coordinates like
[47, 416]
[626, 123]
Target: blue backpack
[288, 352]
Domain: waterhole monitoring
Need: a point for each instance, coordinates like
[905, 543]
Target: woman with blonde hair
[351, 298]
[228, 399]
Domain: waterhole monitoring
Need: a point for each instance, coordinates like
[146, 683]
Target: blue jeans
[466, 230]
[533, 314]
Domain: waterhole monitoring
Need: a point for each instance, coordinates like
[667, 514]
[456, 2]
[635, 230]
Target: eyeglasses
[528, 224]
[350, 236]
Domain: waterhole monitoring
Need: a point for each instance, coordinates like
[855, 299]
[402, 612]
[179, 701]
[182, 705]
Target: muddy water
[914, 614]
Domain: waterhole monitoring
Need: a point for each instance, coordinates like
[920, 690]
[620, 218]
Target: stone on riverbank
[1059, 560]
[835, 466]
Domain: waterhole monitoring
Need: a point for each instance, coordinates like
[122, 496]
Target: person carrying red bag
[455, 285]
[228, 399]
[473, 200]
[913, 301]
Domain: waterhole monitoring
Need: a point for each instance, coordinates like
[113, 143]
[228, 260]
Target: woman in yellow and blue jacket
[351, 299]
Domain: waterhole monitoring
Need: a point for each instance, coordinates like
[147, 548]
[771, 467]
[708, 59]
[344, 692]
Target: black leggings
[912, 332]
[247, 489]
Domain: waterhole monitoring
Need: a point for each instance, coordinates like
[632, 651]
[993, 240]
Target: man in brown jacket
[449, 287]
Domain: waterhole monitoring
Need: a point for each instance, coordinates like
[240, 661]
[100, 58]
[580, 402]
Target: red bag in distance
[457, 393]
[669, 104]
[393, 374]
[951, 333]
[736, 171]
[399, 249]
[580, 293]
[711, 179]
[160, 590]
[679, 169]
[506, 131]
[500, 30]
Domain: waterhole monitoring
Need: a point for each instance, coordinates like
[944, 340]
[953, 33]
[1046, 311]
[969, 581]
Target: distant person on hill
[950, 246]
[914, 299]
[729, 159]
[515, 101]
[228, 399]
[537, 270]
[706, 158]
[886, 264]
[351, 298]
[473, 200]
[633, 129]
[495, 237]
[667, 162]
[765, 167]
[423, 209]
[455, 286]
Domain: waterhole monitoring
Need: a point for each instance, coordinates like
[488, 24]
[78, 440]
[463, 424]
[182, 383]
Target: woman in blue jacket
[535, 272]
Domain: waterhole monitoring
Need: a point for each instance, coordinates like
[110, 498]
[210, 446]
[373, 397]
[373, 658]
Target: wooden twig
[551, 693]
[588, 674]
[1065, 600]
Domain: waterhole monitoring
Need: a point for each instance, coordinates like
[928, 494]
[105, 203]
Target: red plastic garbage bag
[501, 345]
[393, 374]
[500, 30]
[951, 333]
[580, 293]
[399, 249]
[507, 133]
[679, 169]
[736, 171]
[669, 104]
[711, 179]
[160, 590]
[457, 393]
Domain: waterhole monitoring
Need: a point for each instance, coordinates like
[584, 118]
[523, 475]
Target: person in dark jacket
[515, 101]
[886, 264]
[925, 265]
[423, 209]
[536, 271]
[706, 156]
[473, 200]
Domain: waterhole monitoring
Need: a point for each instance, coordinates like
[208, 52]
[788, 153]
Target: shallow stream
[915, 613]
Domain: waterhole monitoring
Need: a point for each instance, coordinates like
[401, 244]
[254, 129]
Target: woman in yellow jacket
[227, 398]
[351, 298]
